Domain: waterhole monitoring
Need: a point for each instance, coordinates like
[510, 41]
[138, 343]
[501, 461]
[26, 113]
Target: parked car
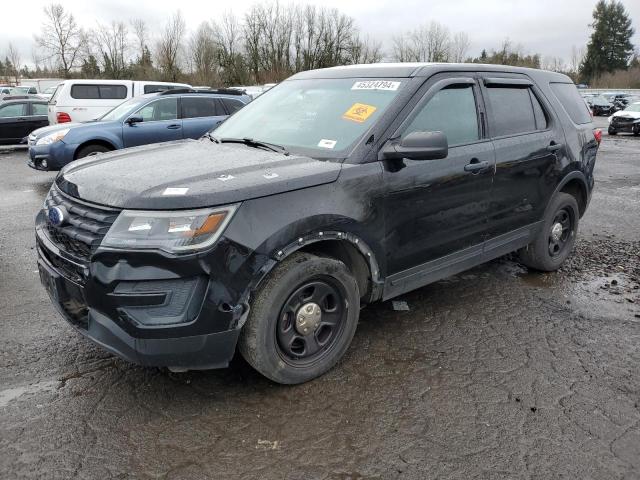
[600, 106]
[83, 100]
[26, 90]
[47, 93]
[627, 120]
[337, 188]
[151, 118]
[20, 117]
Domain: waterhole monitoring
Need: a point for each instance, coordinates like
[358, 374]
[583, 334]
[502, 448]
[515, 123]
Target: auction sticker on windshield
[376, 85]
[359, 112]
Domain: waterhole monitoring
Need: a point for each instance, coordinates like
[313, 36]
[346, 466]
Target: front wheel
[612, 131]
[91, 150]
[302, 320]
[554, 242]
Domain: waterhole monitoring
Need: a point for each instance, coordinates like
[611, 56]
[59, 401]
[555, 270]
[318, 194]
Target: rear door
[38, 116]
[14, 121]
[529, 146]
[160, 123]
[200, 114]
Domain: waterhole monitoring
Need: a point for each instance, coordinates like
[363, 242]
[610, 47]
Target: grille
[85, 228]
[69, 270]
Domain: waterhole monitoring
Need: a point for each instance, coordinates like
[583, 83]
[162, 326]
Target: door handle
[476, 165]
[174, 126]
[554, 147]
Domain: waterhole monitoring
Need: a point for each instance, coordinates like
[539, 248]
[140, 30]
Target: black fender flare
[573, 175]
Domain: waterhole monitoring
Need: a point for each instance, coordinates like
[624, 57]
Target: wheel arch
[94, 141]
[575, 184]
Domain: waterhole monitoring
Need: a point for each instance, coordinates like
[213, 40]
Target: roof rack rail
[221, 91]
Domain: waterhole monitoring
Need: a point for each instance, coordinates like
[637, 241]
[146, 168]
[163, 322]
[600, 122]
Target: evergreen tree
[90, 68]
[610, 46]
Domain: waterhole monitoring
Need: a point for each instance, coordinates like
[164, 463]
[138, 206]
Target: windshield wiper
[257, 144]
[210, 136]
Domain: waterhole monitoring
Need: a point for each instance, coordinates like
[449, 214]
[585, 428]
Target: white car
[627, 120]
[84, 100]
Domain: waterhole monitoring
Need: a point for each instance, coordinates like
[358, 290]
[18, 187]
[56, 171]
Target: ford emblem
[57, 216]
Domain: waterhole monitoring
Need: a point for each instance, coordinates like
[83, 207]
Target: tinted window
[538, 112]
[193, 107]
[39, 108]
[94, 92]
[511, 111]
[164, 109]
[159, 88]
[570, 99]
[13, 110]
[451, 111]
[232, 105]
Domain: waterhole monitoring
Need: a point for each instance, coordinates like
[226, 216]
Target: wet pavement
[497, 373]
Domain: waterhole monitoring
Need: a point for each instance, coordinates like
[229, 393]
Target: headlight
[53, 137]
[180, 231]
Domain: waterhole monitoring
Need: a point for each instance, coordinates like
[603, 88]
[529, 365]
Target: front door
[160, 123]
[438, 208]
[14, 121]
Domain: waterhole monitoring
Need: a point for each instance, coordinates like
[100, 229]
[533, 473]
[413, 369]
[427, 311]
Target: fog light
[44, 164]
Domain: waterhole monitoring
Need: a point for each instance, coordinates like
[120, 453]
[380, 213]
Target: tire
[611, 131]
[91, 150]
[541, 254]
[271, 339]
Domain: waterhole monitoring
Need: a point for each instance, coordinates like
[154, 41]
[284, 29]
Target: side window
[113, 92]
[158, 88]
[511, 110]
[232, 105]
[452, 111]
[568, 95]
[194, 107]
[13, 110]
[95, 92]
[39, 108]
[538, 112]
[164, 109]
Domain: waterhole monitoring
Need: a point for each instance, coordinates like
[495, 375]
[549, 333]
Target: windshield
[323, 116]
[634, 107]
[123, 109]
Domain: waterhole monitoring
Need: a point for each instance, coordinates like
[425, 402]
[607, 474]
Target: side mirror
[418, 146]
[131, 120]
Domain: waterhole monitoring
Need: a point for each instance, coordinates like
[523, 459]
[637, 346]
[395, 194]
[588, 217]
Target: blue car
[152, 118]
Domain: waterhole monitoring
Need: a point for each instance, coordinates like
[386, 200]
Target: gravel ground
[497, 373]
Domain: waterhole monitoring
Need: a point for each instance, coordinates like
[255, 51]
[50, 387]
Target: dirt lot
[496, 373]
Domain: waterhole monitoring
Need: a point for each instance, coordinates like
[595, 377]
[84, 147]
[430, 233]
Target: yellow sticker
[359, 112]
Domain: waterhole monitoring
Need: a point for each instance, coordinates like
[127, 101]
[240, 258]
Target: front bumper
[111, 306]
[625, 126]
[56, 155]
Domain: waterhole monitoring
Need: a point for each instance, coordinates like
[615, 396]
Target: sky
[548, 27]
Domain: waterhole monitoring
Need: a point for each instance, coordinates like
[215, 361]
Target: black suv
[337, 188]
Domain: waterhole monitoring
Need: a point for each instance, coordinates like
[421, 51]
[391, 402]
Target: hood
[41, 132]
[626, 114]
[197, 174]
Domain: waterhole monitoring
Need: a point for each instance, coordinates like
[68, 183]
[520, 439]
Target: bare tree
[576, 60]
[112, 42]
[14, 57]
[170, 46]
[363, 50]
[61, 38]
[427, 43]
[140, 31]
[230, 55]
[459, 47]
[203, 52]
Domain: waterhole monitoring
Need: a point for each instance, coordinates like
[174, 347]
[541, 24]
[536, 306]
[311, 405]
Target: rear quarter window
[232, 105]
[567, 94]
[99, 92]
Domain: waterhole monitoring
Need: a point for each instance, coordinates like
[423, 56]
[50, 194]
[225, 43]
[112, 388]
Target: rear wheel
[91, 150]
[555, 240]
[302, 320]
